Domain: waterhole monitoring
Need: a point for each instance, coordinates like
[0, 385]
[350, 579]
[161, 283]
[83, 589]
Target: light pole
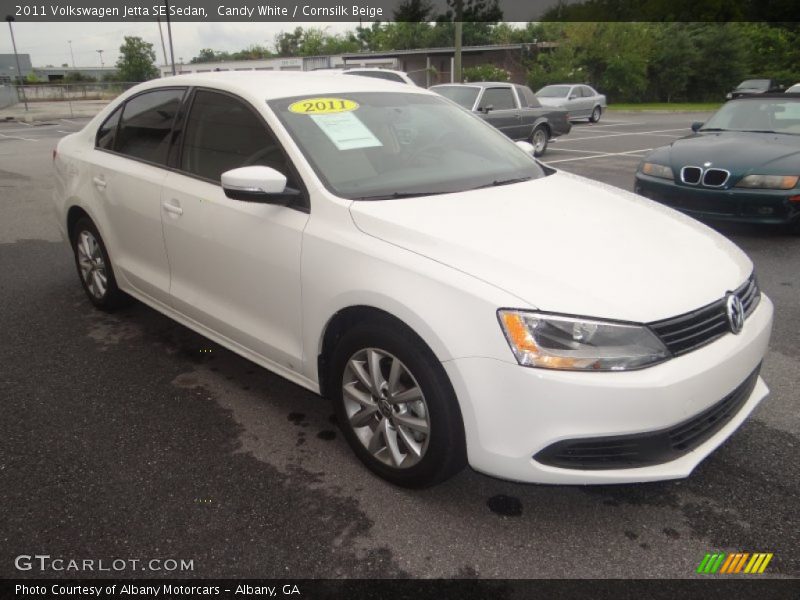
[102, 64]
[71, 54]
[169, 35]
[9, 18]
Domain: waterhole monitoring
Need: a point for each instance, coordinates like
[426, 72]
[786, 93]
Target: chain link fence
[69, 99]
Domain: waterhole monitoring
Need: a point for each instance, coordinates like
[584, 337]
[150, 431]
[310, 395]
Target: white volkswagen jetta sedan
[456, 300]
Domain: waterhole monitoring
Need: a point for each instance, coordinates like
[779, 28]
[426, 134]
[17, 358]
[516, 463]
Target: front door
[235, 265]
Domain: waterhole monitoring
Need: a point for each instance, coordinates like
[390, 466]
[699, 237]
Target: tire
[595, 116]
[413, 444]
[94, 267]
[539, 138]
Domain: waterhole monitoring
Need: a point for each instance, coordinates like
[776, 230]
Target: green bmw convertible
[741, 165]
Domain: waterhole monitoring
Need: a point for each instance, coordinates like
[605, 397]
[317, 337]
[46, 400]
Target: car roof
[478, 84]
[771, 95]
[279, 84]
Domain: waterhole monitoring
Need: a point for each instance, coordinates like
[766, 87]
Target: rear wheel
[396, 406]
[595, 116]
[94, 267]
[539, 139]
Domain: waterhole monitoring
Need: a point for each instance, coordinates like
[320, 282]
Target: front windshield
[754, 84]
[380, 145]
[553, 91]
[464, 95]
[772, 115]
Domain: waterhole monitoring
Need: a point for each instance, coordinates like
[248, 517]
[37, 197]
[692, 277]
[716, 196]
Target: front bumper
[511, 413]
[751, 206]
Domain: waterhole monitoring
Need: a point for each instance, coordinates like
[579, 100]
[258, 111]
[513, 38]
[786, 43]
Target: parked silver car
[581, 101]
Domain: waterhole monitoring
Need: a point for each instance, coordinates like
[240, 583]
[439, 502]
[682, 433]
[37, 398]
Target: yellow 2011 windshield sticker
[323, 106]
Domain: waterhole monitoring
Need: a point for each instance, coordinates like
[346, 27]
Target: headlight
[768, 182]
[656, 170]
[578, 344]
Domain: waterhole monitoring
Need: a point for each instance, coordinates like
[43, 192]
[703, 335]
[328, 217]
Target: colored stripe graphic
[736, 562]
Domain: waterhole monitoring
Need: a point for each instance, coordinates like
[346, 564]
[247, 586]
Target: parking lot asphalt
[129, 436]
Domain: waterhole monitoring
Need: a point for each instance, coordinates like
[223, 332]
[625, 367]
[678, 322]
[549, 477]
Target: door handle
[173, 207]
[99, 183]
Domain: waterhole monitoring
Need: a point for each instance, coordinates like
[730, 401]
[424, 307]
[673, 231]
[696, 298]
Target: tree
[670, 68]
[137, 60]
[413, 11]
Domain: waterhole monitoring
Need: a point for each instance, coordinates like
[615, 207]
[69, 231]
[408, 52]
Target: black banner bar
[391, 10]
[710, 588]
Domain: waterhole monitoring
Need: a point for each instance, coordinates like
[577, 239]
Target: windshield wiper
[712, 129]
[498, 182]
[397, 195]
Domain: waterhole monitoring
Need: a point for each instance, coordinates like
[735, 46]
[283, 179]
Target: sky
[48, 43]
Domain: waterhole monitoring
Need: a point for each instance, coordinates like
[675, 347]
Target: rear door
[128, 170]
[235, 265]
[503, 110]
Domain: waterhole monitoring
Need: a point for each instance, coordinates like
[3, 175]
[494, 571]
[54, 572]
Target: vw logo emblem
[735, 311]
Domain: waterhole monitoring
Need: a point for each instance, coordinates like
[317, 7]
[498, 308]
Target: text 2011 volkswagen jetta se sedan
[456, 300]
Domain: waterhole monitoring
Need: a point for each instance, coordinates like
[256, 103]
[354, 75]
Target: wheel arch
[349, 316]
[541, 122]
[74, 214]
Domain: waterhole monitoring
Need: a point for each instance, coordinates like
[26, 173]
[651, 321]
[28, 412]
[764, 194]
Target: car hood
[739, 152]
[567, 244]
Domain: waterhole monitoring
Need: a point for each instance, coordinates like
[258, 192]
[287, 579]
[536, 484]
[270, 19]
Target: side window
[107, 132]
[223, 133]
[498, 98]
[146, 124]
[587, 92]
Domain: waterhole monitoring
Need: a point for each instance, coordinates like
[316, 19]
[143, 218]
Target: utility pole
[102, 64]
[163, 47]
[459, 35]
[169, 35]
[9, 18]
[71, 54]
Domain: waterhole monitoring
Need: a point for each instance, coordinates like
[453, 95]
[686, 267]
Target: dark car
[741, 165]
[750, 87]
[513, 109]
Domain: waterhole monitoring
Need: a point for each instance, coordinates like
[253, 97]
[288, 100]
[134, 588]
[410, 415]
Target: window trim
[303, 202]
[122, 106]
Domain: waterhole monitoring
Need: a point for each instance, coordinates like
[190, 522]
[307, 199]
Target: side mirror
[572, 97]
[257, 184]
[488, 109]
[697, 125]
[526, 147]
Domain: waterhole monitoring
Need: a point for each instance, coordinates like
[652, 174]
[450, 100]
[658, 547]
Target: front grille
[691, 175]
[692, 330]
[655, 447]
[715, 177]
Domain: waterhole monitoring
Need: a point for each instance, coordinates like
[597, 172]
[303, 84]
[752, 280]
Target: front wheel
[396, 406]
[539, 139]
[595, 116]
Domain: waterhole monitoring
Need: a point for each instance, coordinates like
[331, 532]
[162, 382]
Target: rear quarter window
[107, 133]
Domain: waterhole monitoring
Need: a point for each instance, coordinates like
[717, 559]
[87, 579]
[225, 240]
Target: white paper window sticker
[346, 131]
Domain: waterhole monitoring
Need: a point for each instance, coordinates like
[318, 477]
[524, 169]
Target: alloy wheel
[386, 408]
[91, 264]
